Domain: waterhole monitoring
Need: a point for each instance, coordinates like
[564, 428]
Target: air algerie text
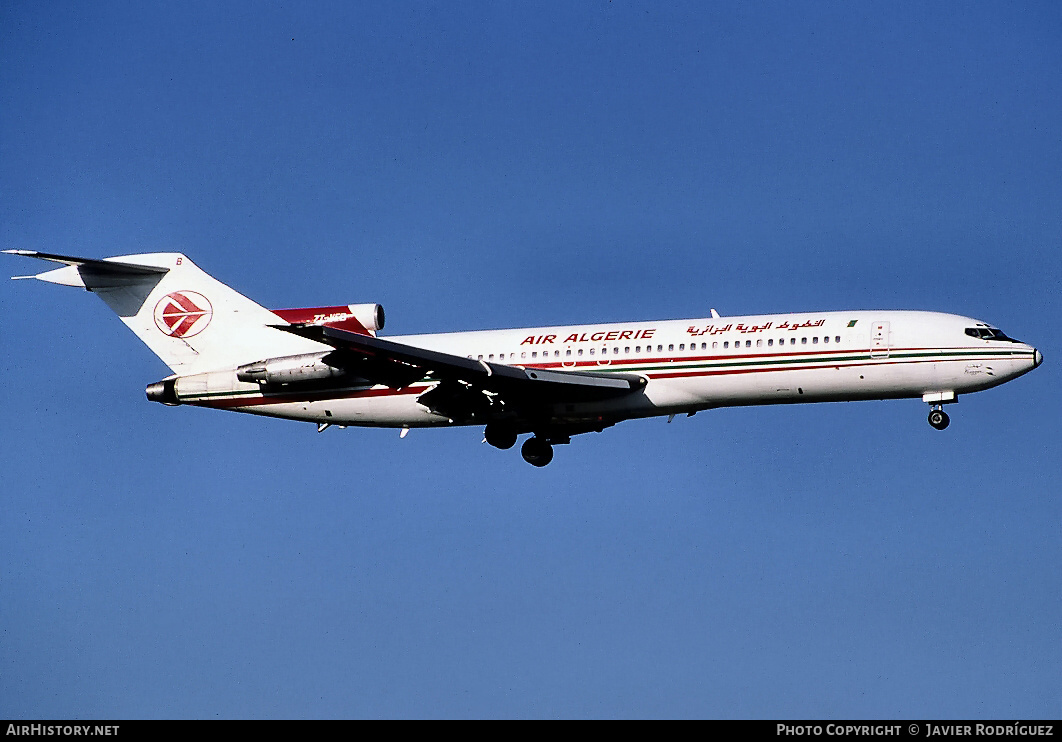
[594, 337]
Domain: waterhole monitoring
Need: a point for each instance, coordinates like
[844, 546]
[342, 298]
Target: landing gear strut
[938, 418]
[537, 451]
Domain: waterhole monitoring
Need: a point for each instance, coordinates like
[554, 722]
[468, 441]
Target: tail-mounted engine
[311, 369]
[164, 392]
[291, 369]
[371, 316]
[360, 318]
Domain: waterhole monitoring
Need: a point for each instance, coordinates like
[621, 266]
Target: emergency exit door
[879, 340]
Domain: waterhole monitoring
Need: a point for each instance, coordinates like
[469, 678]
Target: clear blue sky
[476, 165]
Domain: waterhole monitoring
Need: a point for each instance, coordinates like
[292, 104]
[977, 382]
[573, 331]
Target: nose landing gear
[938, 418]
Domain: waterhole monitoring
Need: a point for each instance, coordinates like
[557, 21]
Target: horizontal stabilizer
[90, 273]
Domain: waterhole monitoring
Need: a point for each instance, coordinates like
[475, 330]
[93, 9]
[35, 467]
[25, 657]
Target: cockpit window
[988, 333]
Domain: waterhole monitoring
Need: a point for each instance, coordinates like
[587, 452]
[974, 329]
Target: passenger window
[670, 347]
[479, 358]
[815, 340]
[591, 351]
[803, 341]
[682, 346]
[826, 339]
[580, 351]
[836, 338]
[792, 341]
[715, 345]
[626, 349]
[660, 349]
[637, 349]
[770, 342]
[534, 354]
[759, 343]
[568, 352]
[726, 343]
[523, 355]
[748, 343]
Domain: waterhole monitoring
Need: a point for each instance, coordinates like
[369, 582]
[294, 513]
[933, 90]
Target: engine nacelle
[289, 369]
[369, 315]
[353, 317]
[164, 391]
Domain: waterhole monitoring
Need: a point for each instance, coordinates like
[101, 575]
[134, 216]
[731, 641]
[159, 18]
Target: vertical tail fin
[190, 320]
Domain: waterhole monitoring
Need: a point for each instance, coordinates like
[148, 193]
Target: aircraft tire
[536, 451]
[939, 419]
[500, 436]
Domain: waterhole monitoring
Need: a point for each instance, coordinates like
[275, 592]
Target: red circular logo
[183, 314]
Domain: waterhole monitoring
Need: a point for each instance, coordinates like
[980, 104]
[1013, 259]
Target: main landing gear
[537, 451]
[938, 418]
[500, 436]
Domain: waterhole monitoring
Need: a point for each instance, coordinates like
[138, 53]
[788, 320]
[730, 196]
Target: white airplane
[327, 365]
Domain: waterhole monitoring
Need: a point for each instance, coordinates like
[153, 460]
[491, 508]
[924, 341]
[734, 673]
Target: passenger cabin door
[879, 340]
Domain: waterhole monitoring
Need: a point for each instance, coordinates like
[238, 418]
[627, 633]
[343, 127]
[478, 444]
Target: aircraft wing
[468, 387]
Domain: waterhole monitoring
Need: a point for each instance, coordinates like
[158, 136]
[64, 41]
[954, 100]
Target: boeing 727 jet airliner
[328, 366]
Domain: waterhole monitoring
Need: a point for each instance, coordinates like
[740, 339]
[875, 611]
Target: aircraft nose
[1037, 358]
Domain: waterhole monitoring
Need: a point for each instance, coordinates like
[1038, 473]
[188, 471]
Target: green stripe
[944, 355]
[956, 354]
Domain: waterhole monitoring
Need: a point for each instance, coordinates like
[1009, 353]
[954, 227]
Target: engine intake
[369, 315]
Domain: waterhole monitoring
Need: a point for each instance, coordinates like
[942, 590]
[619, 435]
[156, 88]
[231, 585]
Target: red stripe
[880, 362]
[417, 389]
[318, 397]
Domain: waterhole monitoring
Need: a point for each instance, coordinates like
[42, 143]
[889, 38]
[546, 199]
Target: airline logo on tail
[183, 314]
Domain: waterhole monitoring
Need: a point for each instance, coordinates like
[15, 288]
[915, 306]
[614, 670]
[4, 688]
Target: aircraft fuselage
[689, 365]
